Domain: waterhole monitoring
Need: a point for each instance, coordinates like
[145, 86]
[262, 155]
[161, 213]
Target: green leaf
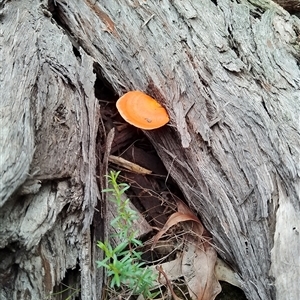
[125, 188]
[115, 220]
[127, 258]
[136, 242]
[115, 281]
[120, 248]
[108, 190]
[102, 264]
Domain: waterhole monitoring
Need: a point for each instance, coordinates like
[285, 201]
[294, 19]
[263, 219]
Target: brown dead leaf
[174, 219]
[197, 227]
[199, 257]
[168, 282]
[198, 265]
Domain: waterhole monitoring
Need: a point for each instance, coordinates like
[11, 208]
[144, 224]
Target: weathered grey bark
[49, 120]
[229, 76]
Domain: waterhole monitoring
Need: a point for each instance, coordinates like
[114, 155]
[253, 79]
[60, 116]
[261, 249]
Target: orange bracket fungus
[142, 111]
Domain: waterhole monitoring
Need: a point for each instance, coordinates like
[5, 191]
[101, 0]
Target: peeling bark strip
[228, 74]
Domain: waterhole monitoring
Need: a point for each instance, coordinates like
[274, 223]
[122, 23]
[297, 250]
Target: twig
[161, 271]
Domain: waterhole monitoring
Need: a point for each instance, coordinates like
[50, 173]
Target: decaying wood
[128, 165]
[228, 75]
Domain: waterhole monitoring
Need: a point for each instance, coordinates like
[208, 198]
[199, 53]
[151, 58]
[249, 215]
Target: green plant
[123, 262]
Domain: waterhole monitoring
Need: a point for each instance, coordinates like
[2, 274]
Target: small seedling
[123, 262]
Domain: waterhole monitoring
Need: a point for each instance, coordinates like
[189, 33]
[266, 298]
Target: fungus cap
[142, 111]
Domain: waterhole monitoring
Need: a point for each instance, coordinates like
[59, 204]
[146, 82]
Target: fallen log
[228, 74]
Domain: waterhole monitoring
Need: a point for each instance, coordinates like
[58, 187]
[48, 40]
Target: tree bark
[228, 74]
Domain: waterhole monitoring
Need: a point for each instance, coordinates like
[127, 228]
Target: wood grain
[228, 75]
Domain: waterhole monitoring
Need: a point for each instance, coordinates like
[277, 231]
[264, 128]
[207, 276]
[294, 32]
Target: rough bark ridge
[49, 119]
[228, 74]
